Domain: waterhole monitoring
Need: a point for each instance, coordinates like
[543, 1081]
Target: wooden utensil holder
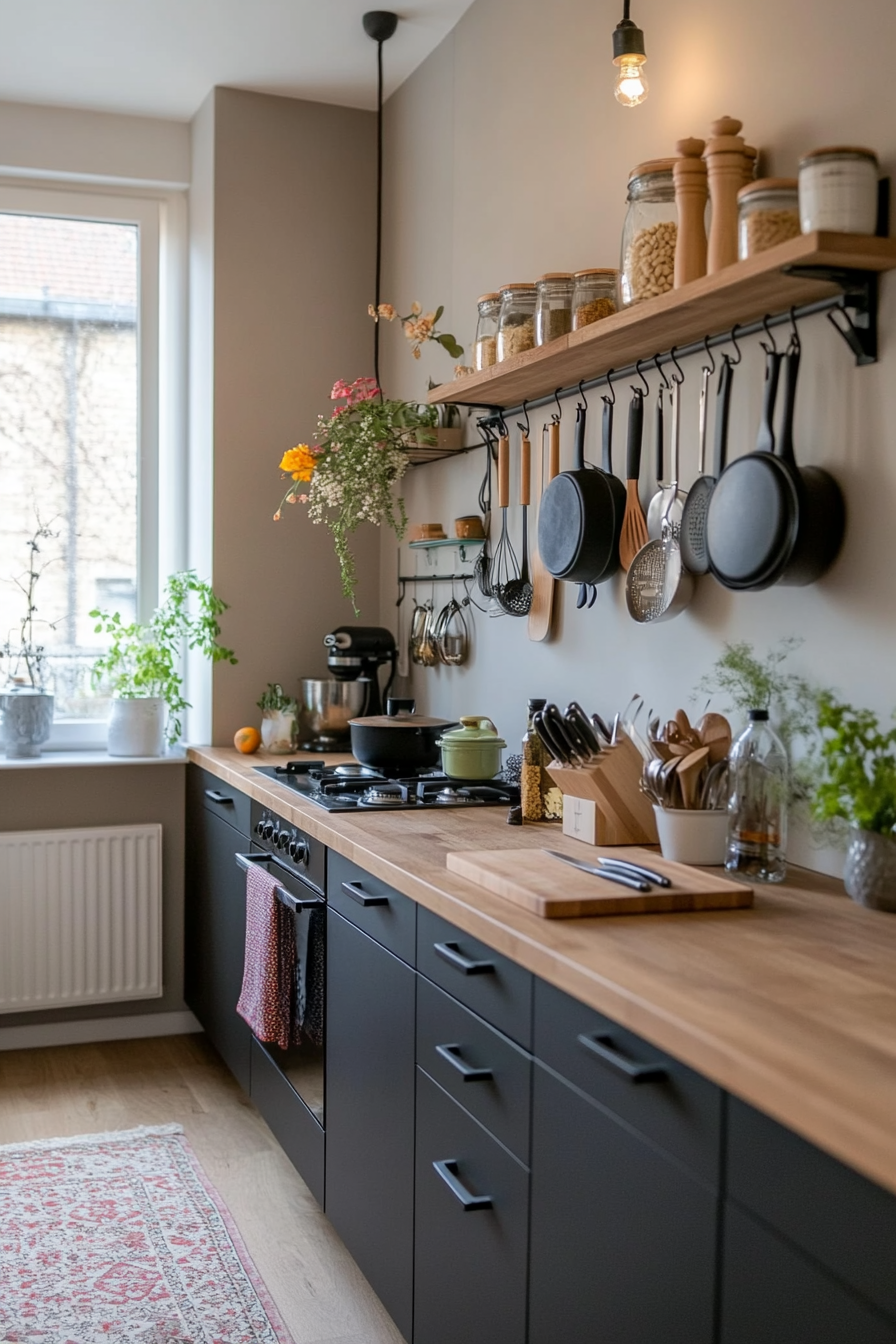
[612, 783]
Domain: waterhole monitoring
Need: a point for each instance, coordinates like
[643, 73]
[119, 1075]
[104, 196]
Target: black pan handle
[785, 443]
[635, 435]
[659, 432]
[723, 413]
[765, 440]
[607, 437]
[580, 437]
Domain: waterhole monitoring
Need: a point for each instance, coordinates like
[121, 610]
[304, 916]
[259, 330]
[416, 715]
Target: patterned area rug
[121, 1239]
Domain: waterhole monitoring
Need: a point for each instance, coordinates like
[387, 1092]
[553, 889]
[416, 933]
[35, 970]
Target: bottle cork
[691, 192]
[727, 167]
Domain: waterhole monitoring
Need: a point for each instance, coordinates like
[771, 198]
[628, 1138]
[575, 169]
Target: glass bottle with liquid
[757, 802]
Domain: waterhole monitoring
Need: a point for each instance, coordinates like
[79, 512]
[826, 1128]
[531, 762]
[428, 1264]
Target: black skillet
[693, 520]
[768, 520]
[618, 492]
[577, 520]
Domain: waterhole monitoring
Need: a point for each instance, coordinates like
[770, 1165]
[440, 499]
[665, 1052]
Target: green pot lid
[473, 729]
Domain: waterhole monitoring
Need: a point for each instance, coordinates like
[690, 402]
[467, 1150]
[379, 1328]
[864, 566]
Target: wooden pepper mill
[691, 191]
[727, 167]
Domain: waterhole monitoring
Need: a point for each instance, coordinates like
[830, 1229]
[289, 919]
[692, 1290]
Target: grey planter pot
[869, 873]
[27, 722]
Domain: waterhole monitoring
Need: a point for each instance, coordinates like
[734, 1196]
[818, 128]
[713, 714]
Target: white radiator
[80, 917]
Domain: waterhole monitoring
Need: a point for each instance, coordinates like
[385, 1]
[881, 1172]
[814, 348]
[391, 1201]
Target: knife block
[623, 814]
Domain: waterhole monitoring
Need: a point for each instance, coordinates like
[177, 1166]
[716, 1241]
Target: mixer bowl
[325, 707]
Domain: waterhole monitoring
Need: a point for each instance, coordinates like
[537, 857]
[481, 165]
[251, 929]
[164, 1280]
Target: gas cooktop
[355, 788]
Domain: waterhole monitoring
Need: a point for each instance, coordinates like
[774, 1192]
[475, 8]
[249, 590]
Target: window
[78, 422]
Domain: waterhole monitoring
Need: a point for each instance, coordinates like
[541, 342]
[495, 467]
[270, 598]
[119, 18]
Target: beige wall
[508, 157]
[292, 226]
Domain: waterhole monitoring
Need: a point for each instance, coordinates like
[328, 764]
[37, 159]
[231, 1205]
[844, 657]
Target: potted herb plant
[856, 783]
[26, 705]
[279, 718]
[142, 665]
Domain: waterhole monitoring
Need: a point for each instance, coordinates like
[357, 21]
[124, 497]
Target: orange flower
[300, 461]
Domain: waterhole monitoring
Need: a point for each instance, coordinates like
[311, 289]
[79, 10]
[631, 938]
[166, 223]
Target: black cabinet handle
[217, 797]
[450, 952]
[470, 1203]
[607, 1052]
[357, 893]
[451, 1053]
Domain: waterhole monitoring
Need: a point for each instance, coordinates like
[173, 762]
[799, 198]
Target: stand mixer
[355, 653]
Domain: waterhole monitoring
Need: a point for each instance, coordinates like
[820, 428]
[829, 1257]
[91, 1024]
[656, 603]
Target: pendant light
[629, 56]
[379, 24]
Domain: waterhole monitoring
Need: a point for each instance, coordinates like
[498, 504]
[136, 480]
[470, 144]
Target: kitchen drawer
[489, 983]
[292, 1124]
[483, 1070]
[668, 1103]
[381, 911]
[837, 1216]
[223, 800]
[772, 1293]
[470, 1262]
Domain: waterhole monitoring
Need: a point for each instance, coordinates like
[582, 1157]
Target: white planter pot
[691, 836]
[26, 717]
[278, 731]
[137, 727]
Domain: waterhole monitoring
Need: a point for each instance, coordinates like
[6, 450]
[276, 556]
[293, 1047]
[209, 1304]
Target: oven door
[301, 1066]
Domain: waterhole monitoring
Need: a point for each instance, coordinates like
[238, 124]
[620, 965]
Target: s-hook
[772, 348]
[678, 369]
[557, 415]
[524, 429]
[611, 399]
[639, 373]
[710, 356]
[795, 343]
[582, 393]
[662, 372]
[732, 336]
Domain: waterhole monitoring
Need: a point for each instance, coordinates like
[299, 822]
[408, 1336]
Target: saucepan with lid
[399, 741]
[472, 751]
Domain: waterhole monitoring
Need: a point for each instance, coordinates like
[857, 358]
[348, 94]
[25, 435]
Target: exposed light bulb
[631, 82]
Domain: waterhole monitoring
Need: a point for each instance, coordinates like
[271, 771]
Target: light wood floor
[80, 1089]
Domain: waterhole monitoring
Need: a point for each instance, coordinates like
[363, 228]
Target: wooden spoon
[634, 524]
[689, 771]
[714, 731]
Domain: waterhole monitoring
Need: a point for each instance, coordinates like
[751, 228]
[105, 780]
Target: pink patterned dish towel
[269, 972]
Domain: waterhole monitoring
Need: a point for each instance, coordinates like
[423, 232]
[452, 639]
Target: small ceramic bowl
[692, 836]
[469, 527]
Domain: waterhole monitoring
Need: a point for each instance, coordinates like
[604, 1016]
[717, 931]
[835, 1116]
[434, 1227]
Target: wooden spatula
[541, 610]
[634, 525]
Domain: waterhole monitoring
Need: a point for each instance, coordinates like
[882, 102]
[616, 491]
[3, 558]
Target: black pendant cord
[379, 206]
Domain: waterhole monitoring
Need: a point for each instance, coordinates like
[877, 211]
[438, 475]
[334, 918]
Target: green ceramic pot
[472, 751]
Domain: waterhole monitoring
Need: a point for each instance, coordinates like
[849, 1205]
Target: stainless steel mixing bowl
[325, 706]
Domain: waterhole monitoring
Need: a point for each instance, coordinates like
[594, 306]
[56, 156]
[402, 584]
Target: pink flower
[277, 516]
[340, 389]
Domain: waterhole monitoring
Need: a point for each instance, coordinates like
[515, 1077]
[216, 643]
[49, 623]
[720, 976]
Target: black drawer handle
[450, 952]
[217, 797]
[357, 893]
[470, 1203]
[451, 1053]
[607, 1052]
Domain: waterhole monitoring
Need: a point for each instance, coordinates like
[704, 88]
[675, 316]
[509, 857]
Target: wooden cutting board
[555, 890]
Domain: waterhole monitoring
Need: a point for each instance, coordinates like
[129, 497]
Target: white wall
[508, 157]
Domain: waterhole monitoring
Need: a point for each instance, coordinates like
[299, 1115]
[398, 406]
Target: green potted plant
[26, 705]
[142, 665]
[856, 783]
[279, 720]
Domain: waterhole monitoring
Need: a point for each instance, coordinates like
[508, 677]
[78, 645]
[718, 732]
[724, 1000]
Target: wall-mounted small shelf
[461, 543]
[836, 267]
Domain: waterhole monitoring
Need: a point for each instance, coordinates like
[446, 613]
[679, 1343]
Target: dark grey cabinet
[369, 1195]
[472, 1199]
[215, 922]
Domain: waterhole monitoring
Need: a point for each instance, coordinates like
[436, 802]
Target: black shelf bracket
[860, 294]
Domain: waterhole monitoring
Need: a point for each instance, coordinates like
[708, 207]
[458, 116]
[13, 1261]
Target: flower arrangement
[350, 471]
[418, 327]
[28, 651]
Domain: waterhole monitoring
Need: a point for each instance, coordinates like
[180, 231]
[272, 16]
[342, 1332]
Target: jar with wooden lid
[553, 306]
[768, 214]
[594, 296]
[516, 323]
[485, 344]
[838, 190]
[650, 232]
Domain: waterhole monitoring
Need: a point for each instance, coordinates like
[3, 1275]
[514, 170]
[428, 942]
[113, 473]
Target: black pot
[399, 741]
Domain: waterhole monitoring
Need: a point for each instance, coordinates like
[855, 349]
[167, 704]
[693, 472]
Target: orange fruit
[247, 740]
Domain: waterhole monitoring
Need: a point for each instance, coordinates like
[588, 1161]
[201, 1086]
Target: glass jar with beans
[768, 214]
[516, 324]
[485, 345]
[649, 233]
[594, 296]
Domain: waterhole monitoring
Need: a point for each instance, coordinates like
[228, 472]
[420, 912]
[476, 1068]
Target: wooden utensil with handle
[541, 610]
[634, 524]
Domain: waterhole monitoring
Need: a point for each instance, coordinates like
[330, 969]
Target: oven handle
[294, 903]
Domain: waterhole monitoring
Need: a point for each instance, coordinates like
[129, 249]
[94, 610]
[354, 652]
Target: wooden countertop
[790, 1006]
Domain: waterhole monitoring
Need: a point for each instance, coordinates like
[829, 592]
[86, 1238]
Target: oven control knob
[267, 830]
[259, 828]
[282, 840]
[298, 850]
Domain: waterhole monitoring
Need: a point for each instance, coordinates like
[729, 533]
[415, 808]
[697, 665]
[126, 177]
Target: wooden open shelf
[742, 293]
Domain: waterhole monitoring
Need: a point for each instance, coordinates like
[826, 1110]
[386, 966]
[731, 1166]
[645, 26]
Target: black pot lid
[752, 520]
[403, 719]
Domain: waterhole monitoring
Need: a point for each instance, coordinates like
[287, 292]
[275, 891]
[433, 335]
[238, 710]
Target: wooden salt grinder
[691, 191]
[724, 156]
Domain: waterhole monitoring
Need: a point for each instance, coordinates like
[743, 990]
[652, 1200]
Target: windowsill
[87, 758]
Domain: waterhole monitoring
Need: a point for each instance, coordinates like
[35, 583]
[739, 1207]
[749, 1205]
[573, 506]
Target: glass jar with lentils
[650, 232]
[516, 324]
[485, 345]
[594, 296]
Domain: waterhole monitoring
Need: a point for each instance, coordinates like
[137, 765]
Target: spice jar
[768, 214]
[594, 296]
[516, 323]
[485, 345]
[540, 798]
[553, 306]
[838, 190]
[650, 232]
